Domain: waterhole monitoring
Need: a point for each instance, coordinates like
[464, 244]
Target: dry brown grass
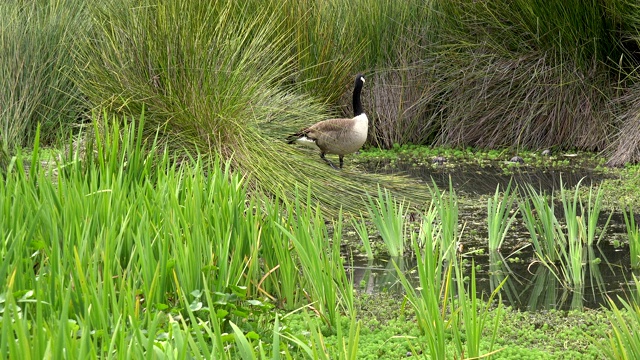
[626, 146]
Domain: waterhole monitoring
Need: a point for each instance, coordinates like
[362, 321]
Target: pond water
[482, 180]
[529, 285]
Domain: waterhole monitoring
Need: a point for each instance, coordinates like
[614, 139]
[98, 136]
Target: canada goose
[337, 136]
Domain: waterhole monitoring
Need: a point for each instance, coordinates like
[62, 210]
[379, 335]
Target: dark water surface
[482, 180]
[529, 285]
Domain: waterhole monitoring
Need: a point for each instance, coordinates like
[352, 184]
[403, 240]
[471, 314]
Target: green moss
[468, 155]
[388, 331]
[522, 353]
[623, 187]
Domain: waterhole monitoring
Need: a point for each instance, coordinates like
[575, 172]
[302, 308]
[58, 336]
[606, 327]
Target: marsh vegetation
[150, 207]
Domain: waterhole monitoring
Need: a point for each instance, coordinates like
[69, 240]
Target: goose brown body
[337, 136]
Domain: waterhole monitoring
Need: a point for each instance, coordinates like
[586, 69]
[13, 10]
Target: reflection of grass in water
[545, 290]
[499, 271]
[550, 289]
[595, 275]
[564, 263]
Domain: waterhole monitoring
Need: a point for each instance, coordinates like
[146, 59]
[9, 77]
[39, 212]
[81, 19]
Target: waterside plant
[121, 254]
[500, 216]
[633, 233]
[388, 216]
[539, 217]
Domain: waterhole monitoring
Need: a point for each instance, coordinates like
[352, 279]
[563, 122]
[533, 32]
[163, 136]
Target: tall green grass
[566, 246]
[430, 299]
[360, 227]
[545, 231]
[624, 148]
[530, 52]
[320, 261]
[500, 217]
[472, 316]
[441, 301]
[440, 71]
[122, 253]
[37, 39]
[388, 215]
[445, 204]
[581, 226]
[592, 209]
[570, 30]
[633, 232]
[624, 339]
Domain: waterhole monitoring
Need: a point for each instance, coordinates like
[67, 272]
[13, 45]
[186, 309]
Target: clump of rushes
[153, 251]
[282, 277]
[565, 254]
[361, 228]
[36, 67]
[580, 232]
[633, 232]
[443, 307]
[534, 51]
[446, 205]
[430, 229]
[388, 216]
[430, 299]
[320, 261]
[473, 315]
[571, 256]
[215, 79]
[499, 216]
[624, 340]
[544, 230]
[592, 212]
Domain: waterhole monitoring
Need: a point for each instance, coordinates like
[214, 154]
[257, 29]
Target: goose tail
[301, 138]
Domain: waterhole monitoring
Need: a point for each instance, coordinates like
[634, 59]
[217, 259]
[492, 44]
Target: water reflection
[530, 285]
[379, 275]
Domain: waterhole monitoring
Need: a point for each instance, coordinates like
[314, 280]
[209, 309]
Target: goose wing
[326, 127]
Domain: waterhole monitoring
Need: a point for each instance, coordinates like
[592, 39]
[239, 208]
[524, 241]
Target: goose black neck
[357, 105]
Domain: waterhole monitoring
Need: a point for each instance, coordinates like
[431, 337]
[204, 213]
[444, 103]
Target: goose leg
[328, 161]
[341, 157]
